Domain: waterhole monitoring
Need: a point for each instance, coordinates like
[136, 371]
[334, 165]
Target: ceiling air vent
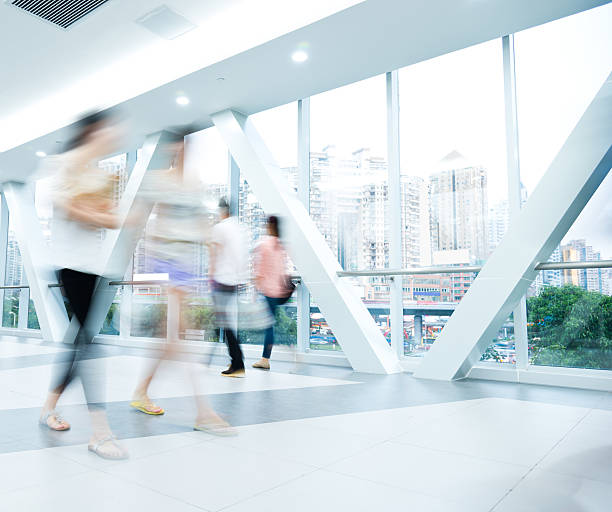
[62, 13]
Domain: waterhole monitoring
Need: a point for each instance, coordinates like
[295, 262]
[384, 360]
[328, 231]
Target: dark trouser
[225, 298]
[273, 303]
[79, 288]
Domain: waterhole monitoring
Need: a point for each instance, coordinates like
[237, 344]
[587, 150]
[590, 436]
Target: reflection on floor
[310, 439]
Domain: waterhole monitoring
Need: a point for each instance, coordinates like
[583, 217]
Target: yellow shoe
[147, 407]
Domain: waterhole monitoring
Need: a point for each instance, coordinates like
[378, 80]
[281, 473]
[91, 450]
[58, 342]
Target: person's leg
[264, 362]
[78, 288]
[141, 400]
[269, 336]
[225, 299]
[92, 370]
[235, 352]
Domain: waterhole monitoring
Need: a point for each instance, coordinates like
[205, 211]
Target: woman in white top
[82, 209]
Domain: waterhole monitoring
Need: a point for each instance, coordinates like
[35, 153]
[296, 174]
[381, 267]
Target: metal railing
[568, 265]
[564, 265]
[295, 278]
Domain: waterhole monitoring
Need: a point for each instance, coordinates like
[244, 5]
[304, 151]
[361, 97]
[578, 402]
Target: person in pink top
[271, 280]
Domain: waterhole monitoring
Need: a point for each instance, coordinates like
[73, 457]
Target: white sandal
[43, 420]
[96, 448]
[222, 429]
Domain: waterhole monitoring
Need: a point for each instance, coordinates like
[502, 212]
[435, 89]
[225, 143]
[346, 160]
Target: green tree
[32, 317]
[569, 326]
[201, 317]
[111, 322]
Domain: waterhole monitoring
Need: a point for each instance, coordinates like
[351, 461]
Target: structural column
[514, 186]
[303, 191]
[24, 304]
[125, 306]
[4, 226]
[234, 186]
[396, 308]
[418, 329]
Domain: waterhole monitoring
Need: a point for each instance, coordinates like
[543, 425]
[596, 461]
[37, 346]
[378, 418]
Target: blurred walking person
[174, 237]
[272, 280]
[82, 208]
[228, 268]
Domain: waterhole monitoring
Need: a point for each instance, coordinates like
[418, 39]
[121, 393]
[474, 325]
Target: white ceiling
[41, 55]
[362, 41]
[53, 74]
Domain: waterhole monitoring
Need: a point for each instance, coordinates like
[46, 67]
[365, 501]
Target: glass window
[349, 191]
[14, 275]
[569, 312]
[560, 66]
[571, 325]
[453, 181]
[278, 129]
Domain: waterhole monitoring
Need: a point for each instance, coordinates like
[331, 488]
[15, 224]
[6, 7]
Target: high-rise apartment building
[459, 207]
[592, 279]
[348, 202]
[117, 167]
[14, 268]
[416, 242]
[570, 276]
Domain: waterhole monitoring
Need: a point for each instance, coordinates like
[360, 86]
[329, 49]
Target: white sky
[456, 102]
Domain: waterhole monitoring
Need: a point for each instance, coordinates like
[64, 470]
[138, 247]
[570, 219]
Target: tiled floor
[496, 448]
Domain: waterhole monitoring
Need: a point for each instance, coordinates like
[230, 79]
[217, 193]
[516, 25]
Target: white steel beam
[514, 186]
[359, 336]
[4, 225]
[35, 258]
[395, 213]
[578, 169]
[303, 192]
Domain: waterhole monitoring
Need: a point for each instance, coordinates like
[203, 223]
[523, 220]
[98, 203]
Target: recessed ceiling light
[41, 154]
[182, 100]
[220, 79]
[299, 56]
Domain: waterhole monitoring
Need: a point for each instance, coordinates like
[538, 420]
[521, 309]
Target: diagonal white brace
[116, 252]
[579, 168]
[120, 244]
[35, 257]
[360, 338]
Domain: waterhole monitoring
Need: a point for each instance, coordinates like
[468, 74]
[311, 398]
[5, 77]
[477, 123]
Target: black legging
[79, 288]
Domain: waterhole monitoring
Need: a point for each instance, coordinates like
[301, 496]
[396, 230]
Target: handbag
[249, 313]
[290, 288]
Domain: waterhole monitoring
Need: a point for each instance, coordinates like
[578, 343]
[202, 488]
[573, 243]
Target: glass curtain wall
[454, 204]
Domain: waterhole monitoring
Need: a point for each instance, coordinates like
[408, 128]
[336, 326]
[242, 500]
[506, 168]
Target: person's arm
[84, 212]
[212, 258]
[258, 256]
